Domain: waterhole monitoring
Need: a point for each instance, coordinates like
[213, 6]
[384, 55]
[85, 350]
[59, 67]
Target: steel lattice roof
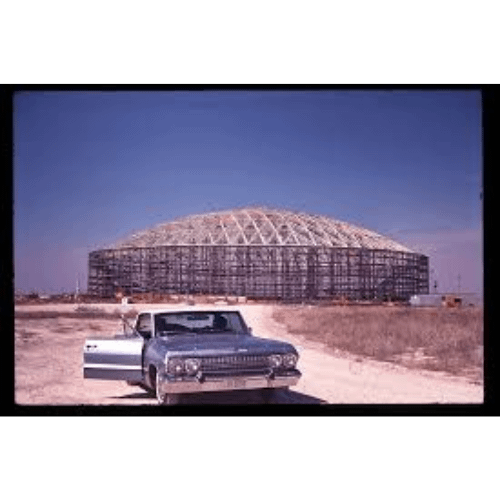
[260, 226]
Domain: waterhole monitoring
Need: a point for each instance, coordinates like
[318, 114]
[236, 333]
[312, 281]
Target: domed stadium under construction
[259, 253]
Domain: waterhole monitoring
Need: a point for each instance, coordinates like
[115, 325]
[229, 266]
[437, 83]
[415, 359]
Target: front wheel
[165, 399]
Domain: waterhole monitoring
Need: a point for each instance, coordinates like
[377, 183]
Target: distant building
[259, 252]
[449, 299]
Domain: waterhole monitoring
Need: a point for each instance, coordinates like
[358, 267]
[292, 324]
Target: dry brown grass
[437, 338]
[79, 313]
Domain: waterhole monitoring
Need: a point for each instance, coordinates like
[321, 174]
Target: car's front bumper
[229, 383]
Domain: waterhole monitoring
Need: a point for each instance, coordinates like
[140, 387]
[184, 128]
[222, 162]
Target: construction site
[259, 253]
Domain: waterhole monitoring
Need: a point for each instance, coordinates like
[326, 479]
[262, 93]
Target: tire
[164, 399]
[150, 381]
[147, 388]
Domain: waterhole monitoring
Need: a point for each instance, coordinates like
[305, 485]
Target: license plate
[236, 383]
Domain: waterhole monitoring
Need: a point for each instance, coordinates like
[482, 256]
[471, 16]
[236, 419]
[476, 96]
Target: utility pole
[459, 283]
[434, 280]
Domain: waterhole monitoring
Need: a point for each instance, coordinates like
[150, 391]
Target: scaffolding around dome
[260, 253]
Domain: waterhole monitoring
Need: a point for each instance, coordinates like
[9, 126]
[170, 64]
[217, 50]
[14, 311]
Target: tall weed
[447, 339]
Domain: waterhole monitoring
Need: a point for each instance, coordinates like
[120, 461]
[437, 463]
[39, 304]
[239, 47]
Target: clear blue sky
[91, 167]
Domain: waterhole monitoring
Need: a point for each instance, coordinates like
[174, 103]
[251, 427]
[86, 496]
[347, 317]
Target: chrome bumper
[213, 383]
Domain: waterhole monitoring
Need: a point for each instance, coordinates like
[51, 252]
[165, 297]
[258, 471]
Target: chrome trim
[99, 366]
[234, 361]
[228, 383]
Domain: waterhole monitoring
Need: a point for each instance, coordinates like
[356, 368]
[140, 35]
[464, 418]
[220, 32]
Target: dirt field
[48, 368]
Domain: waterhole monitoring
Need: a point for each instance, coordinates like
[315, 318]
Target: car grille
[234, 362]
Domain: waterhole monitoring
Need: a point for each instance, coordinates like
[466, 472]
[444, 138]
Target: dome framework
[260, 253]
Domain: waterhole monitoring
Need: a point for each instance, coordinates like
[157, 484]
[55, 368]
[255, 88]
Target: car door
[117, 358]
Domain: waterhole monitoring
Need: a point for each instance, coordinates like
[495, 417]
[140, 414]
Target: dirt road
[48, 369]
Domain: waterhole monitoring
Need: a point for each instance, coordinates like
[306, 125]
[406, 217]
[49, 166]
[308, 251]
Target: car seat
[220, 323]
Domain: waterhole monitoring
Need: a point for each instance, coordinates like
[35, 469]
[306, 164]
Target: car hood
[219, 344]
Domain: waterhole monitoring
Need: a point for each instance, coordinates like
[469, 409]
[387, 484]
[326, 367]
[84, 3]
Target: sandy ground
[48, 369]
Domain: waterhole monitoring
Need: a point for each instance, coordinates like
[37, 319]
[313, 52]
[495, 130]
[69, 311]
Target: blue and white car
[173, 352]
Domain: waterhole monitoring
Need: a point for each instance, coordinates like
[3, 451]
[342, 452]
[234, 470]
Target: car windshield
[199, 322]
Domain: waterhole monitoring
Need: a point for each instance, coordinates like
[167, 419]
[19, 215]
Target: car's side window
[143, 325]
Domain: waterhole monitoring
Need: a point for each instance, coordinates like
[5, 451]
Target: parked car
[184, 351]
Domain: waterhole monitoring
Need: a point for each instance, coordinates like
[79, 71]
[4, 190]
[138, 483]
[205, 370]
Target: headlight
[175, 366]
[275, 360]
[192, 365]
[290, 360]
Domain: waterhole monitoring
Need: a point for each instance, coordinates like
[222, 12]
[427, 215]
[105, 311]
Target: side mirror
[124, 323]
[146, 334]
[128, 329]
